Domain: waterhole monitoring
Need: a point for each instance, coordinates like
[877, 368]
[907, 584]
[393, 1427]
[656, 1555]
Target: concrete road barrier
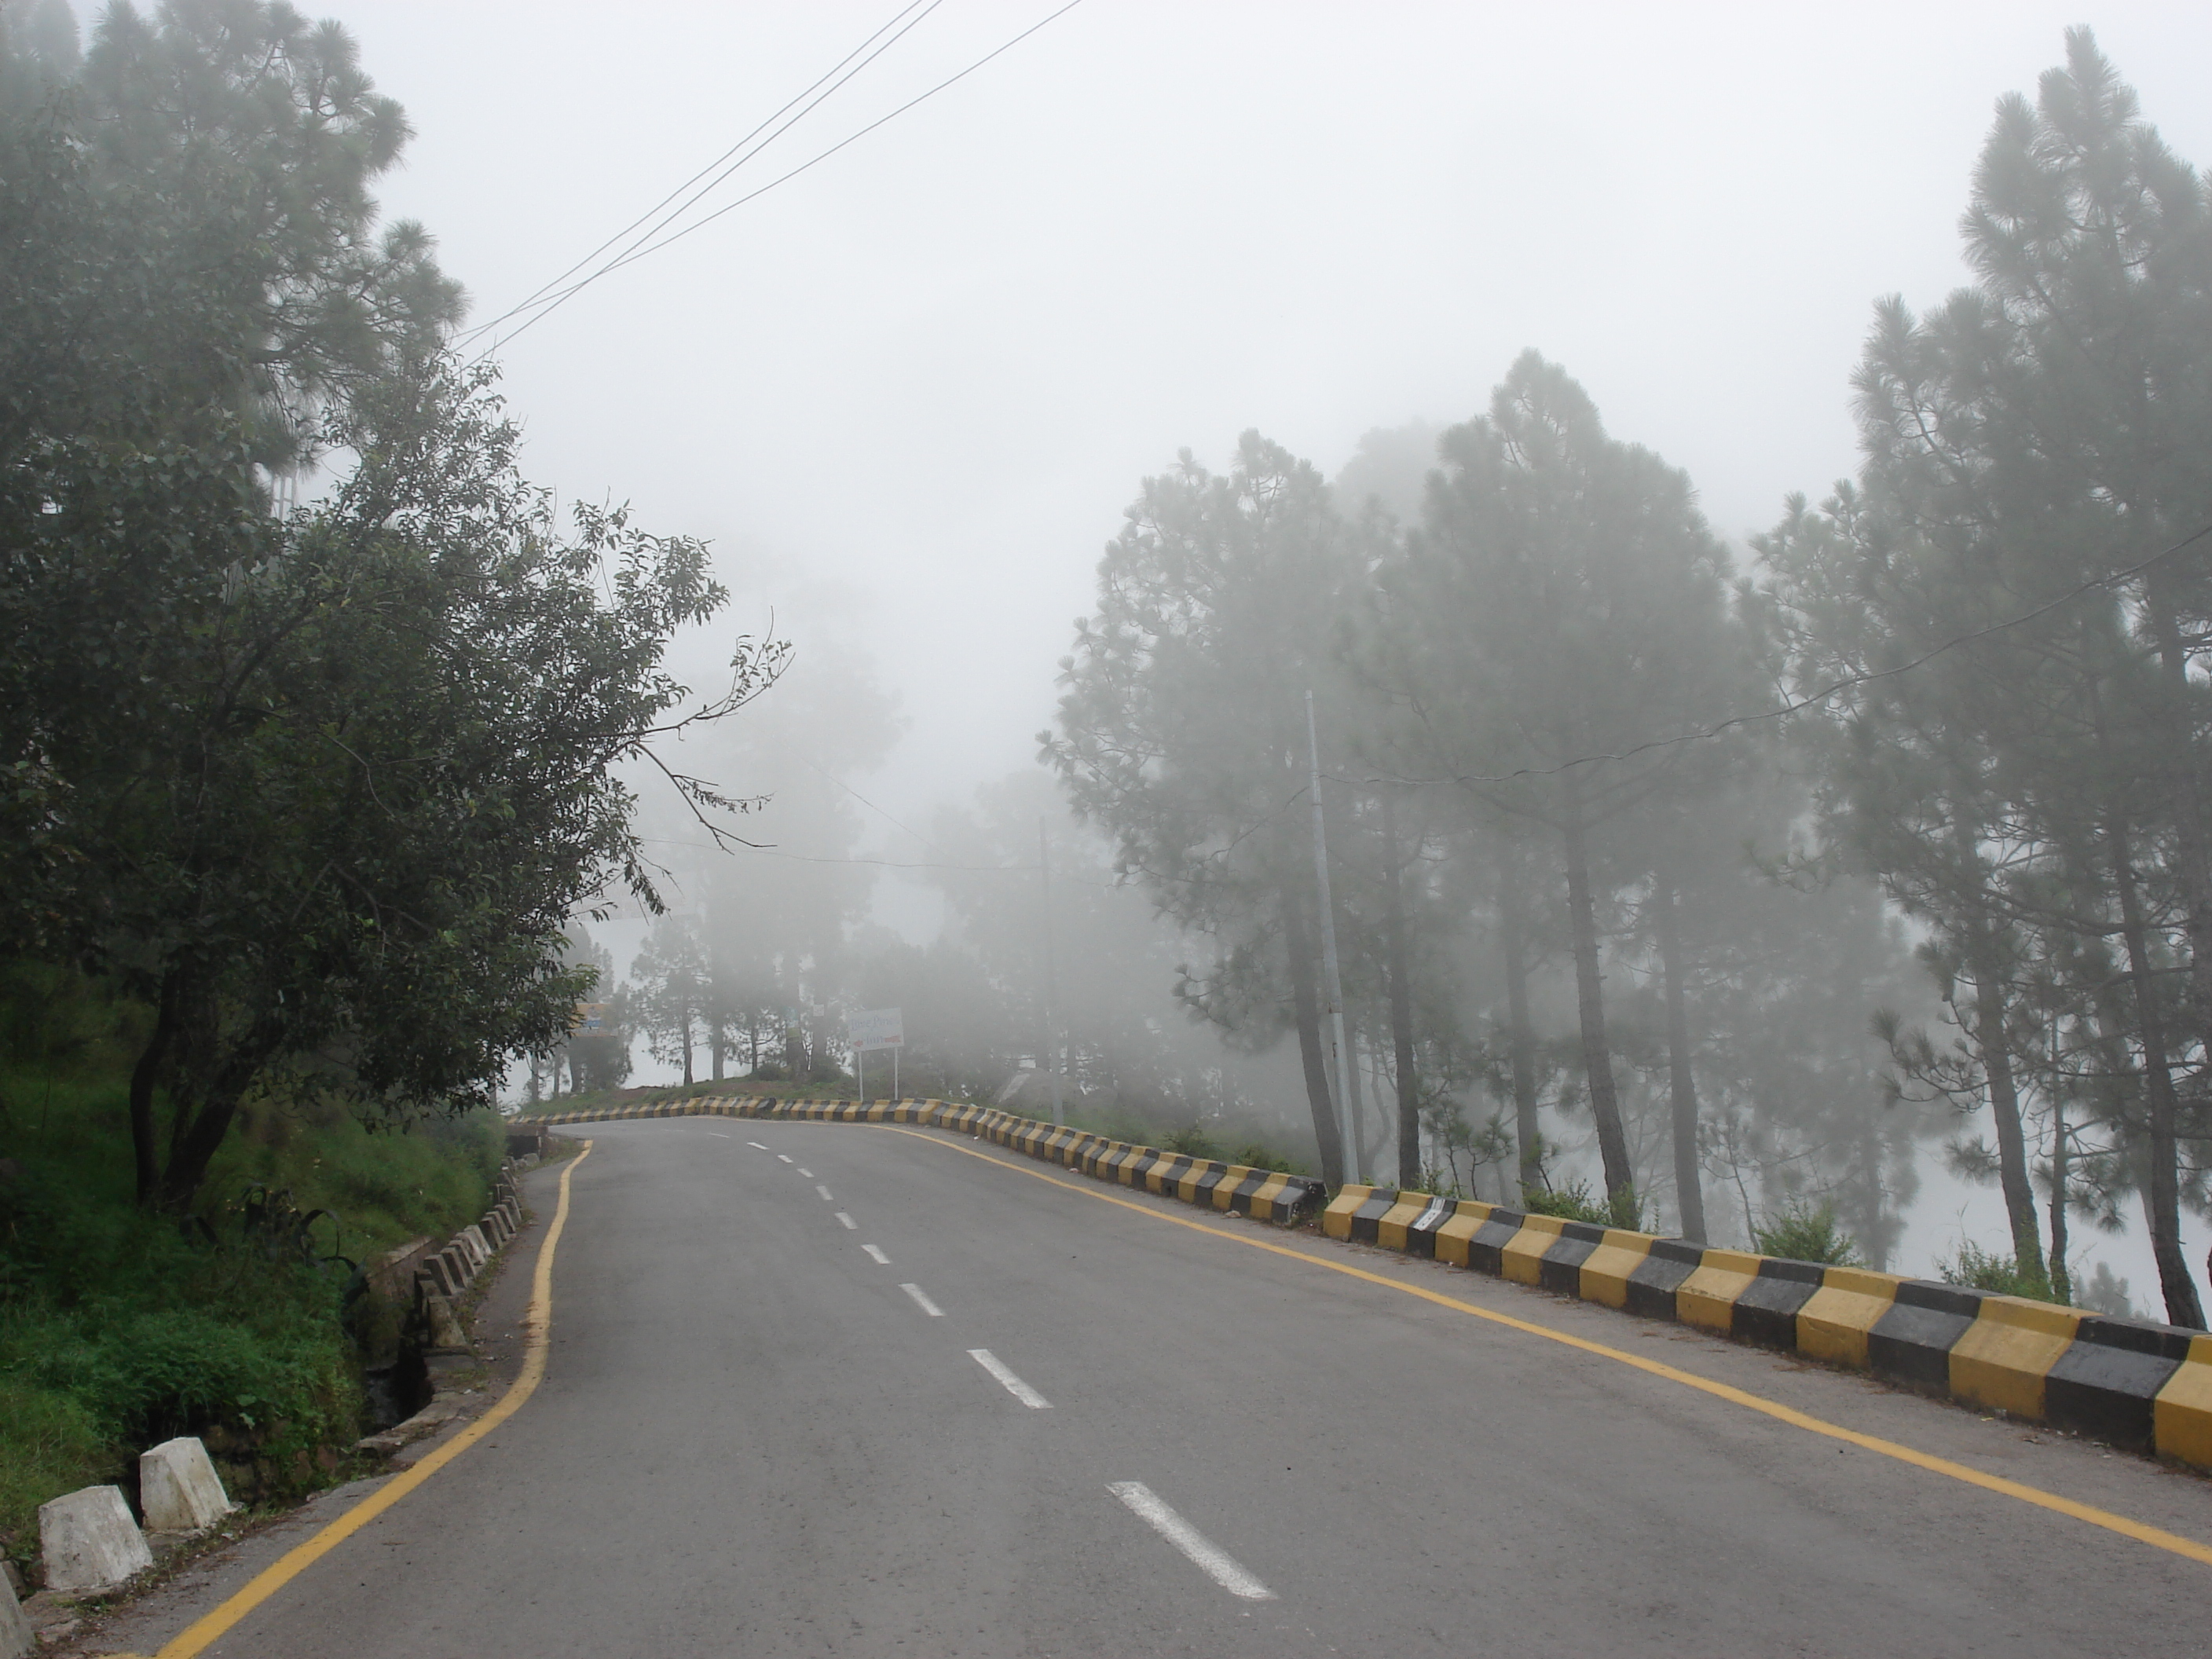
[179, 1490]
[2130, 1382]
[88, 1542]
[17, 1638]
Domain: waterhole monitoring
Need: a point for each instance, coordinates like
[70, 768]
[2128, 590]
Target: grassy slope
[116, 1330]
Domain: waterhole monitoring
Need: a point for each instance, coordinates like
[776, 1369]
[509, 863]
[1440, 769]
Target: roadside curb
[1263, 1194]
[2138, 1385]
[442, 1279]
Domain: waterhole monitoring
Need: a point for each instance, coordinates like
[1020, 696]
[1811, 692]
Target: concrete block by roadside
[443, 1280]
[443, 1329]
[179, 1490]
[16, 1637]
[459, 1270]
[89, 1542]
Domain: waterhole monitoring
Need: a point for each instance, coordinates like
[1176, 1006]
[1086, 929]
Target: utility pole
[1348, 1084]
[1051, 994]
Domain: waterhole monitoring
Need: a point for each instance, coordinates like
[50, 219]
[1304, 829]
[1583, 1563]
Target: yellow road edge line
[2156, 1537]
[210, 1627]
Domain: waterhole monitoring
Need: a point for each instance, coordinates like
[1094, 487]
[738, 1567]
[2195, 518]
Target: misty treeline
[1577, 869]
[760, 958]
[310, 791]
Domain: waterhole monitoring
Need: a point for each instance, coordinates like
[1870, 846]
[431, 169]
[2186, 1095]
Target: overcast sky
[909, 393]
[931, 372]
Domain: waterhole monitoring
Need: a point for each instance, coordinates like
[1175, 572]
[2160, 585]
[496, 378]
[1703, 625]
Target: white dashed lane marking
[923, 1302]
[824, 1191]
[1014, 1385]
[1219, 1565]
[756, 1145]
[844, 1220]
[877, 1255]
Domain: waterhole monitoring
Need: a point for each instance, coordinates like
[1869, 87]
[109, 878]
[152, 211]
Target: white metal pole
[1346, 1086]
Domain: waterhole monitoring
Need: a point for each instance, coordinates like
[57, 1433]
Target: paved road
[765, 1432]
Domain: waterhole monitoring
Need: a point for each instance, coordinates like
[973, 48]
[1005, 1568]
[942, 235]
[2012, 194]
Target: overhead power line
[544, 292]
[2094, 584]
[546, 303]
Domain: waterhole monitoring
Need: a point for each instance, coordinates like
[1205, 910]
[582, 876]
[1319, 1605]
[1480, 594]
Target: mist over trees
[1752, 960]
[1644, 878]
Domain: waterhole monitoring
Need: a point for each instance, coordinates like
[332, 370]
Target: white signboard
[876, 1028]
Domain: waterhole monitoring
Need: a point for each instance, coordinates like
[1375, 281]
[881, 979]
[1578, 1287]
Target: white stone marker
[90, 1541]
[16, 1637]
[179, 1490]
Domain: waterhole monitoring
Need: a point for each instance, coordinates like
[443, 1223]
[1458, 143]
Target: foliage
[1191, 1141]
[1982, 1270]
[1183, 730]
[1570, 1201]
[2034, 796]
[318, 788]
[1801, 1231]
[2106, 1292]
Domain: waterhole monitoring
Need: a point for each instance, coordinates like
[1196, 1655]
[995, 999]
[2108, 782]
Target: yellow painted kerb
[1708, 1296]
[211, 1626]
[1390, 1230]
[2009, 1350]
[1606, 1269]
[2182, 1414]
[1833, 1324]
[1522, 1259]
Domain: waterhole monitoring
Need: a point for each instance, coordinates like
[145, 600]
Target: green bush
[1802, 1232]
[1978, 1269]
[1573, 1202]
[1191, 1141]
[118, 1328]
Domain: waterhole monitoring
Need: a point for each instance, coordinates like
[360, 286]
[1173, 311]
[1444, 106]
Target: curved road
[838, 1389]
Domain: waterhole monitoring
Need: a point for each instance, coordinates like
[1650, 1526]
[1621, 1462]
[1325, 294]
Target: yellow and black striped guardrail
[2127, 1382]
[1263, 1194]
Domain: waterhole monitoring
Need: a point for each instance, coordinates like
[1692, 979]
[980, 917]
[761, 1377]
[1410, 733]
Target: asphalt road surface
[838, 1389]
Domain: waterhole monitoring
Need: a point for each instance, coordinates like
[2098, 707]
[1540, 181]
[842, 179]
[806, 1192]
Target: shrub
[1981, 1270]
[1191, 1141]
[1802, 1232]
[1571, 1202]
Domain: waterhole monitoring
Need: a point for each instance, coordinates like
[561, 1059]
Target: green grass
[118, 1328]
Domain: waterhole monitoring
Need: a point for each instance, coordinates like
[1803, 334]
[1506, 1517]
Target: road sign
[876, 1028]
[590, 1016]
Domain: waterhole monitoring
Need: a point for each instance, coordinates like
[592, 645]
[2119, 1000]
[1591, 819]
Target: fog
[910, 393]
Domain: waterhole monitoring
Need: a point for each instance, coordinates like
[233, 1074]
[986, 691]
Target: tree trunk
[1520, 1039]
[1305, 1001]
[1984, 963]
[715, 1046]
[1401, 1002]
[144, 1076]
[2062, 1285]
[2181, 1306]
[686, 1035]
[1589, 994]
[2192, 844]
[1690, 1193]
